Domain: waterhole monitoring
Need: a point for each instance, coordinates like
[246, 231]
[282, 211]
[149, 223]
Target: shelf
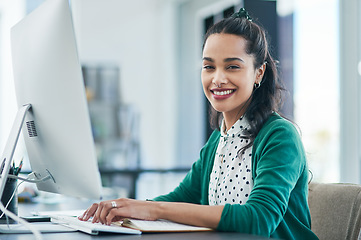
[134, 174]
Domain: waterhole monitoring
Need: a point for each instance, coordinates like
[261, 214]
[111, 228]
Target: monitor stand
[8, 154]
[10, 146]
[23, 225]
[6, 160]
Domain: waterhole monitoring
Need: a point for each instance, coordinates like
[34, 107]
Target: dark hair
[268, 97]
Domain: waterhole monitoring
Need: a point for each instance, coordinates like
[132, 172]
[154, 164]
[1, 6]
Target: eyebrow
[225, 60]
[233, 59]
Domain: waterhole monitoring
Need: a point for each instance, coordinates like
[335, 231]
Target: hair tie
[242, 13]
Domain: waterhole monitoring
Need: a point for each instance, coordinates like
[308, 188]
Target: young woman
[252, 174]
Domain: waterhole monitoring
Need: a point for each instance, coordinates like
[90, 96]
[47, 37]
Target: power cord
[11, 198]
[8, 213]
[28, 179]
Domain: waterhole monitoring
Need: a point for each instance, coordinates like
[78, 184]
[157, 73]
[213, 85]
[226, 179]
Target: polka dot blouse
[231, 177]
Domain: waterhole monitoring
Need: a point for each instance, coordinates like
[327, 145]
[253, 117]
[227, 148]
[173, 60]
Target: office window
[316, 86]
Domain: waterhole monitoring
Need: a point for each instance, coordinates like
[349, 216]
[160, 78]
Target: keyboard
[92, 228]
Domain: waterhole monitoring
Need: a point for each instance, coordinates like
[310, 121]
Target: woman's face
[228, 74]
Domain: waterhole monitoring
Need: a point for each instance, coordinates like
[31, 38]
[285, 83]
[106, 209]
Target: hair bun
[242, 13]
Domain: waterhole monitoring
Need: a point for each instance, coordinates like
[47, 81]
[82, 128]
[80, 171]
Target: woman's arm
[191, 192]
[192, 214]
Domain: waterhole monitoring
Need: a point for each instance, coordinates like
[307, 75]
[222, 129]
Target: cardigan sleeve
[278, 162]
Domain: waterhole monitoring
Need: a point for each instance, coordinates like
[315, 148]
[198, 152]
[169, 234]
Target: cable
[28, 178]
[8, 213]
[12, 196]
[35, 231]
[23, 180]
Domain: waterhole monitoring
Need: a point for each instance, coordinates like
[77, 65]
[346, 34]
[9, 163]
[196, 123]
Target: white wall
[10, 13]
[139, 36]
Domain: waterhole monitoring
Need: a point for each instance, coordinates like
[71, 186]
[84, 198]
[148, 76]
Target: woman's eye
[233, 67]
[208, 67]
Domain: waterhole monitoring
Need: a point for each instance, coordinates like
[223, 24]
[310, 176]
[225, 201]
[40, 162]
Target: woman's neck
[230, 120]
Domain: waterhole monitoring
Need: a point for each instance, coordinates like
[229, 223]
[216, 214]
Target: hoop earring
[257, 85]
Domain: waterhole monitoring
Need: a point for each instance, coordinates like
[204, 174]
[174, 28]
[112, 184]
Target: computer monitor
[53, 107]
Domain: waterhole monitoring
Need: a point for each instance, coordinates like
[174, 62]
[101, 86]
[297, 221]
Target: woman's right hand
[110, 211]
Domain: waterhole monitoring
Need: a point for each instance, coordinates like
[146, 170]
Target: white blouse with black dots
[231, 178]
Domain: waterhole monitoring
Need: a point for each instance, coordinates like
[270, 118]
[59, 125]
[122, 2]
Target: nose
[219, 78]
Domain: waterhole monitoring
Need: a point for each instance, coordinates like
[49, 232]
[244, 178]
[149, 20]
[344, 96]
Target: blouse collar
[238, 129]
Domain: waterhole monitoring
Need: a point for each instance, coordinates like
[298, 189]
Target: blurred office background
[141, 62]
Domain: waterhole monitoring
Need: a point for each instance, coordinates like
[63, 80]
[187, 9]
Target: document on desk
[160, 226]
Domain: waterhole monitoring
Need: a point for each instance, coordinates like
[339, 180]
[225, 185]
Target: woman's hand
[110, 211]
[107, 212]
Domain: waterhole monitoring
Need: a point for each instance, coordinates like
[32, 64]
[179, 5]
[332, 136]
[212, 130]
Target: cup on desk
[10, 187]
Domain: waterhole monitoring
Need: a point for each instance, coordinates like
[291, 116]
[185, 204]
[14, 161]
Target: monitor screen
[56, 129]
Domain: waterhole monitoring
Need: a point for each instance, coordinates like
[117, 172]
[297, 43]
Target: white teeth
[223, 92]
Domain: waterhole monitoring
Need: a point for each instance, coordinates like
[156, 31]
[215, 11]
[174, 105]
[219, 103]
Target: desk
[158, 236]
[71, 204]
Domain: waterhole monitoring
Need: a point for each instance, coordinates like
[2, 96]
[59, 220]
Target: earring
[257, 85]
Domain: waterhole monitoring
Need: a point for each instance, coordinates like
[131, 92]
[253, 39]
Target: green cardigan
[277, 206]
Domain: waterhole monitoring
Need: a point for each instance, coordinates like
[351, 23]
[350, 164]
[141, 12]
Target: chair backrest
[335, 210]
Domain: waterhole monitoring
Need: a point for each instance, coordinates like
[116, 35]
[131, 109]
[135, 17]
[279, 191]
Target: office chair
[335, 210]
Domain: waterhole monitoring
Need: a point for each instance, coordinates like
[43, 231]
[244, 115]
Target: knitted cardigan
[277, 206]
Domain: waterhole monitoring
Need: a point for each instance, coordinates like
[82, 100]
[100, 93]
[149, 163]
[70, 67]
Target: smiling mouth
[222, 93]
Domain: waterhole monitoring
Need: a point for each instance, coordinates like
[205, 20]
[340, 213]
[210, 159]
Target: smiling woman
[250, 59]
[252, 174]
[229, 75]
